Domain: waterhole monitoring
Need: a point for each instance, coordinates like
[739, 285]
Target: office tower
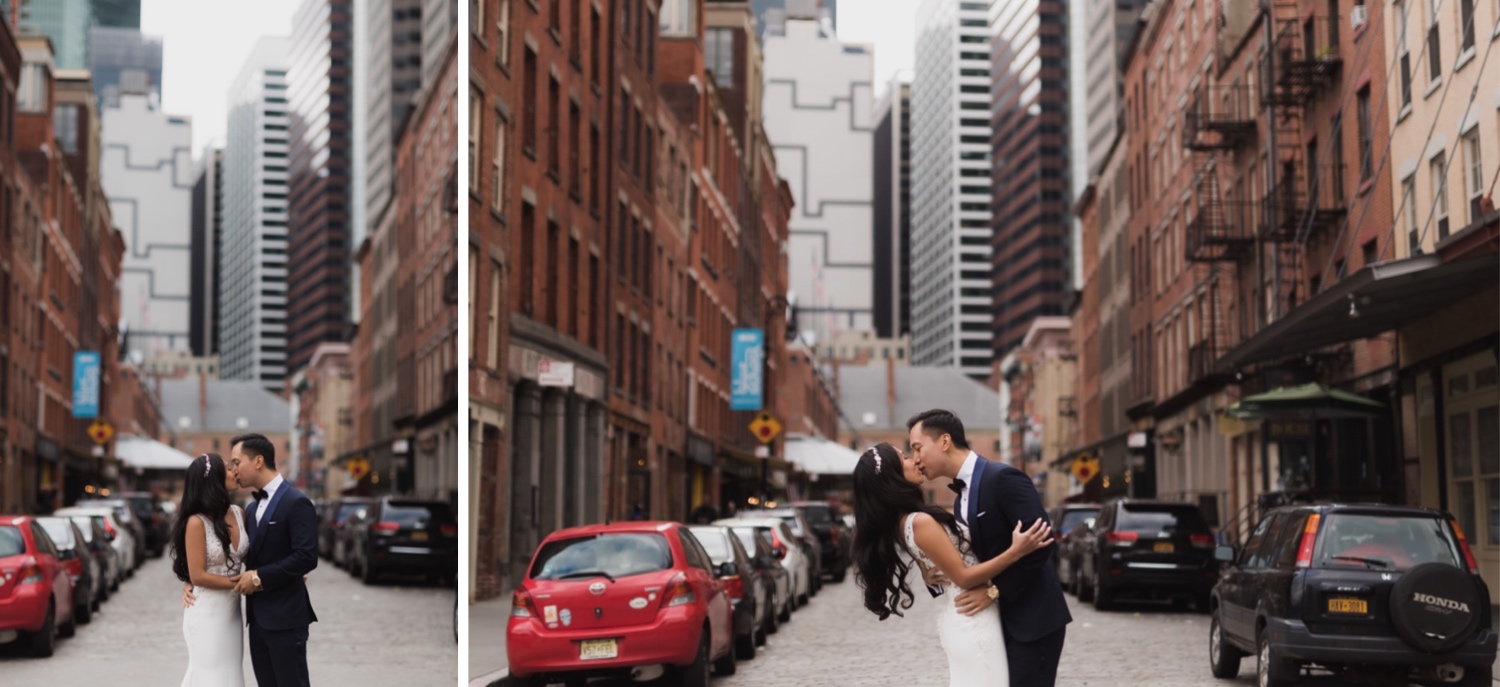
[208, 225]
[893, 210]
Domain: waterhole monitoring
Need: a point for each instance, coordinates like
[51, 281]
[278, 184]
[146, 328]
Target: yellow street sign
[101, 432]
[358, 468]
[1085, 467]
[765, 427]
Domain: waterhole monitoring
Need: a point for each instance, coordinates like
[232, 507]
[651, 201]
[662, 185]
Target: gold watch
[256, 581]
[994, 593]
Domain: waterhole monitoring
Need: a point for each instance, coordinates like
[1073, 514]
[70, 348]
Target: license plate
[1354, 606]
[419, 536]
[1165, 547]
[596, 649]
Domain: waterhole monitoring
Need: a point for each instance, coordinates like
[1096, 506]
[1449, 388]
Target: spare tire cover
[1435, 607]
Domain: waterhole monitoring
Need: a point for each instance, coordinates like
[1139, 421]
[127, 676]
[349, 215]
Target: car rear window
[1382, 542]
[747, 537]
[11, 541]
[1144, 518]
[348, 509]
[85, 527]
[1074, 518]
[617, 555]
[714, 543]
[60, 530]
[818, 515]
[416, 514]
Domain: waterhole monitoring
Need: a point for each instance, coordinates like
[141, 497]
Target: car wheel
[839, 578]
[786, 611]
[1223, 657]
[1270, 669]
[514, 681]
[1085, 590]
[729, 662]
[70, 628]
[84, 613]
[745, 644]
[696, 675]
[773, 616]
[1103, 600]
[367, 574]
[44, 641]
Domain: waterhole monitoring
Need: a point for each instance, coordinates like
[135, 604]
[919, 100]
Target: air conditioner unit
[1358, 16]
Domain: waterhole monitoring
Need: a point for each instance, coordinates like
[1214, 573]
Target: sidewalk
[487, 662]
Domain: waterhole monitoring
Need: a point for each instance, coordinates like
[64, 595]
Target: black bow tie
[259, 494]
[957, 485]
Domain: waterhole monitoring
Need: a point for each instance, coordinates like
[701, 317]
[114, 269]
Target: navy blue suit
[283, 548]
[1033, 613]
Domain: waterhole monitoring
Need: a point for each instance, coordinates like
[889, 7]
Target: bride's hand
[1038, 536]
[187, 595]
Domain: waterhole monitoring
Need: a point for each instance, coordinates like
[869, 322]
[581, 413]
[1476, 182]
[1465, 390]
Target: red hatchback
[36, 591]
[612, 600]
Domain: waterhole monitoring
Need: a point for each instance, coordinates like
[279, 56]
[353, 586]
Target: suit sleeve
[303, 526]
[1021, 503]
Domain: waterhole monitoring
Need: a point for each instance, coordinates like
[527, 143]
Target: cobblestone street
[391, 635]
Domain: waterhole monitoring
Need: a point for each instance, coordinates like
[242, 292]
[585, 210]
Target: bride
[897, 525]
[208, 548]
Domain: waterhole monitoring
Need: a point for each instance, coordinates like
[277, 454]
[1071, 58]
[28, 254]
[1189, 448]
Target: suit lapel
[266, 512]
[971, 513]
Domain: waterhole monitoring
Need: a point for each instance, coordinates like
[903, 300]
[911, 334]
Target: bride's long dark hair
[882, 498]
[203, 491]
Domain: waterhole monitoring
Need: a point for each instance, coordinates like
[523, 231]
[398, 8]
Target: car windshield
[1074, 518]
[1380, 542]
[715, 544]
[11, 543]
[348, 509]
[617, 555]
[416, 515]
[60, 530]
[817, 514]
[1161, 519]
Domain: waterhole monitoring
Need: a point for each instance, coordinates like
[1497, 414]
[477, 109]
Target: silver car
[123, 542]
[788, 547]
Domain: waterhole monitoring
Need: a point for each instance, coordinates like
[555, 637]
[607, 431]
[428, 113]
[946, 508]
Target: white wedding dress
[975, 645]
[214, 626]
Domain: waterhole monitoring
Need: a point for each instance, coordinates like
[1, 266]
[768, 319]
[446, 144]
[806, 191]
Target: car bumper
[534, 649]
[1140, 578]
[25, 610]
[413, 558]
[1297, 642]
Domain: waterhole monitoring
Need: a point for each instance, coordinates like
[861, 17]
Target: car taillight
[385, 527]
[450, 530]
[521, 606]
[678, 593]
[1463, 543]
[835, 536]
[1203, 541]
[1124, 539]
[734, 586]
[109, 529]
[1309, 536]
[31, 573]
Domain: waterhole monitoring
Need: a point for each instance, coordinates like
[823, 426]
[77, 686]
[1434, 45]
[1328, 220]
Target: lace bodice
[216, 562]
[922, 557]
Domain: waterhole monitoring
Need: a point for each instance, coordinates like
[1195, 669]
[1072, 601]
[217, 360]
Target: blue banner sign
[86, 384]
[748, 360]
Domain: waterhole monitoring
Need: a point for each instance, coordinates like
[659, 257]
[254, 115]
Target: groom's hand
[973, 601]
[187, 595]
[243, 583]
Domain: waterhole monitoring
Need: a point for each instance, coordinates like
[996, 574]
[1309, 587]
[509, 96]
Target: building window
[527, 258]
[1409, 199]
[1466, 24]
[597, 49]
[1403, 50]
[473, 298]
[528, 107]
[575, 151]
[575, 33]
[624, 128]
[496, 274]
[718, 52]
[554, 132]
[570, 316]
[476, 123]
[597, 173]
[497, 198]
[554, 16]
[502, 38]
[554, 275]
[597, 284]
[1474, 175]
[677, 18]
[1366, 145]
[651, 29]
[1434, 43]
[1438, 170]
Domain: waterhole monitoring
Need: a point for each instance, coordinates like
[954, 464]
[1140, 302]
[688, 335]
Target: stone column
[524, 486]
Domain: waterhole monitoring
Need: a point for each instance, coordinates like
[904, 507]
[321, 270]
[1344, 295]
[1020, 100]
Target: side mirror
[1224, 553]
[728, 569]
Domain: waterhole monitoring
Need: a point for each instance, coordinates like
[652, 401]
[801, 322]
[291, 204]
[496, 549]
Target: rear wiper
[587, 573]
[1372, 562]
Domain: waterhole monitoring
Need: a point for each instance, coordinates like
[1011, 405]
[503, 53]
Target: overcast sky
[886, 24]
[204, 44]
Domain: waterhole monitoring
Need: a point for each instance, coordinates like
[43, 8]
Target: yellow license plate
[1165, 547]
[596, 649]
[1354, 606]
[419, 536]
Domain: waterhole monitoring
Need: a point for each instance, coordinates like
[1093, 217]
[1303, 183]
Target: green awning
[1307, 401]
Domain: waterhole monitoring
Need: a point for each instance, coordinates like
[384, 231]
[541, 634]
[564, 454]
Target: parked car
[74, 555]
[803, 532]
[121, 539]
[348, 536]
[749, 593]
[757, 543]
[1067, 520]
[787, 548]
[406, 536]
[1364, 591]
[607, 600]
[106, 559]
[124, 516]
[155, 522]
[834, 540]
[36, 592]
[1154, 549]
[331, 520]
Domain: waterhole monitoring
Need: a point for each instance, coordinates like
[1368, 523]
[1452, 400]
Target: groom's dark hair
[257, 445]
[937, 422]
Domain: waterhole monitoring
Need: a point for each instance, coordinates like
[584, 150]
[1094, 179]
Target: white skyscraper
[253, 253]
[820, 122]
[951, 303]
[146, 168]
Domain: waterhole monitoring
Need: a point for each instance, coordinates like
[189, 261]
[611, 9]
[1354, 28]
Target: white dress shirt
[966, 473]
[270, 491]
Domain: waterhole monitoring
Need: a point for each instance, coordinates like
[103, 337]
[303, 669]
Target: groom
[283, 549]
[992, 499]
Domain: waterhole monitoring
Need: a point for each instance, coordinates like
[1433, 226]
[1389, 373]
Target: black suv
[1368, 591]
[832, 536]
[1155, 549]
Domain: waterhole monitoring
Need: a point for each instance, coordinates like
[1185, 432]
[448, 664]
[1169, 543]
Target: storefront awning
[1306, 402]
[1372, 301]
[149, 454]
[821, 457]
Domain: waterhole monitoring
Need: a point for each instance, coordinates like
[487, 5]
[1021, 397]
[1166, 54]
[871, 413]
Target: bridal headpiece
[876, 455]
[207, 464]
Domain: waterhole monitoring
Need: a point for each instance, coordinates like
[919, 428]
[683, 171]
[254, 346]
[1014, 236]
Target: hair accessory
[207, 464]
[876, 455]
